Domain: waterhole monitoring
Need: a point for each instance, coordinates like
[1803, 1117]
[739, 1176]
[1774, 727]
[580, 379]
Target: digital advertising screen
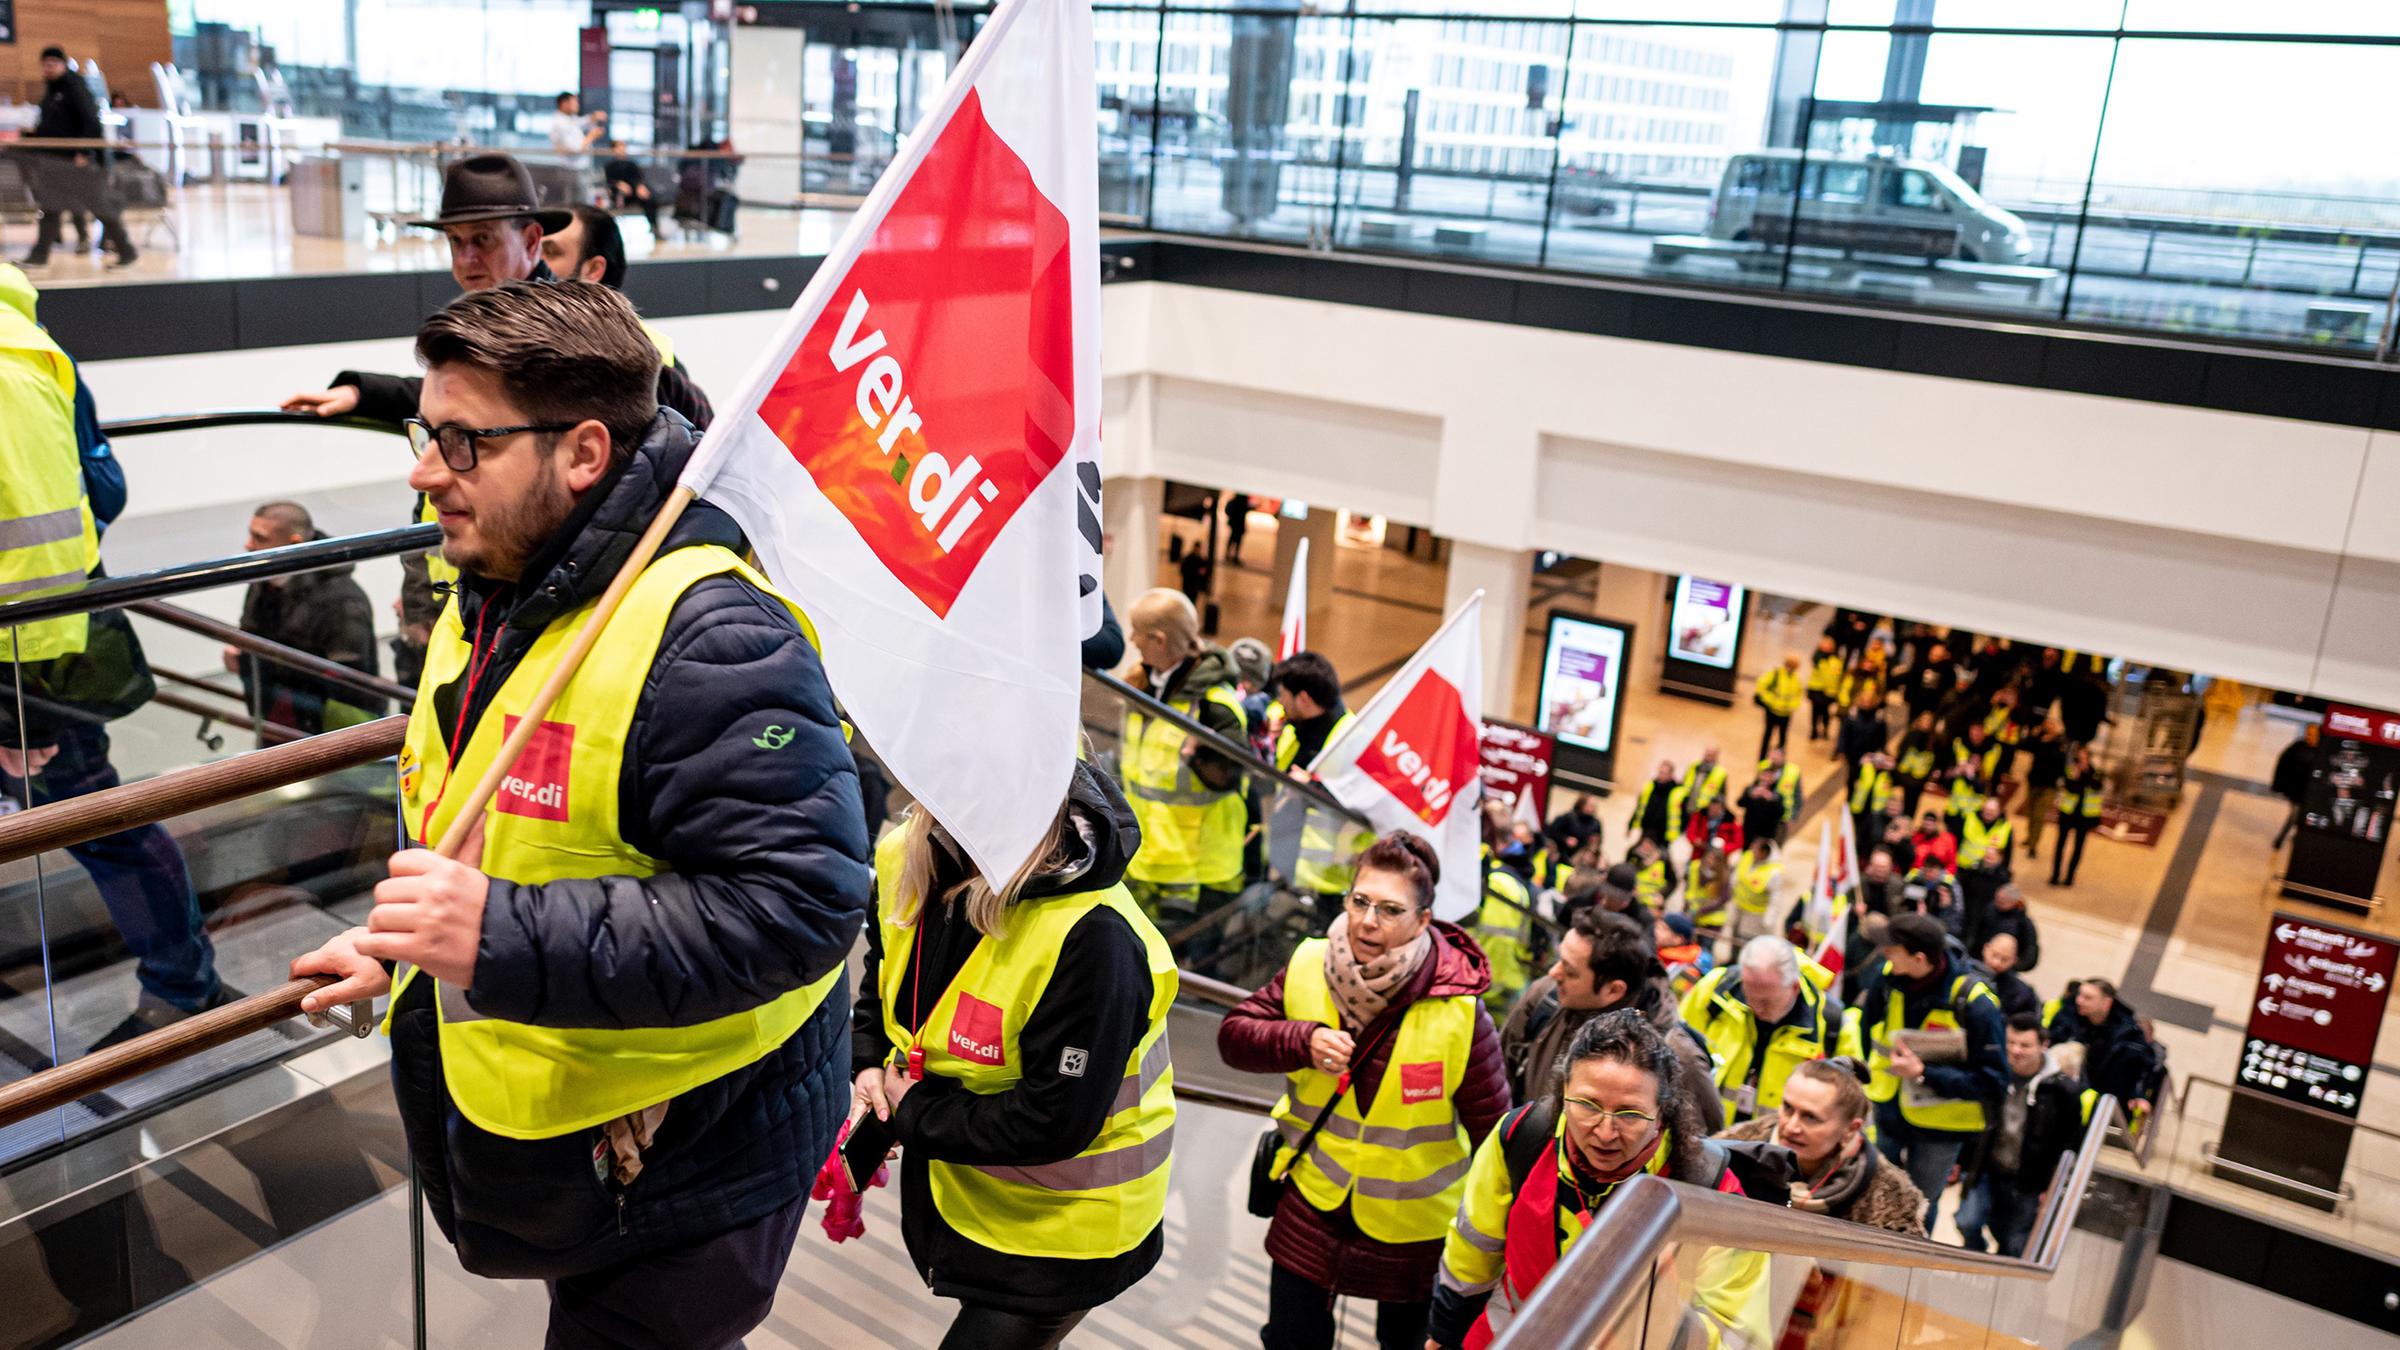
[1583, 677]
[1705, 625]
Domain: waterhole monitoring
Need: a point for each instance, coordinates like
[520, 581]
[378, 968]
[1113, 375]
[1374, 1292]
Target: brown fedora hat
[492, 187]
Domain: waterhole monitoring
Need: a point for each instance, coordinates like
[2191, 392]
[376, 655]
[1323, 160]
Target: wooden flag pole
[471, 810]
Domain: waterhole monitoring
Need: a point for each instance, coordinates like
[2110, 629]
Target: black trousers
[62, 187]
[980, 1327]
[2071, 835]
[1300, 1317]
[1778, 731]
[703, 1297]
[1820, 714]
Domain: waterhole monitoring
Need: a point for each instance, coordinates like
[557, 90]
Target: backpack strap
[1524, 1133]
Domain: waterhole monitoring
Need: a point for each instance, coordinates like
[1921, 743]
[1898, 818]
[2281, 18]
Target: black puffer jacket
[1097, 1001]
[765, 887]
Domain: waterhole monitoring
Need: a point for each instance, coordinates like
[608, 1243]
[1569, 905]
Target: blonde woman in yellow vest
[1187, 795]
[1381, 1020]
[1014, 1041]
[618, 1033]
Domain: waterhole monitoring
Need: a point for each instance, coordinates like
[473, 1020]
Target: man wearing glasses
[494, 222]
[619, 1038]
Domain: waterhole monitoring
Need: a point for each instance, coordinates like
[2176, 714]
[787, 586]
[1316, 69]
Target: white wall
[2256, 548]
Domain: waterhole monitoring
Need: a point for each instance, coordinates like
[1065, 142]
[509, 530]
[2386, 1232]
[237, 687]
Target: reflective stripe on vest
[1402, 1162]
[1699, 789]
[1110, 1196]
[1957, 1117]
[1917, 763]
[555, 817]
[1871, 793]
[1825, 675]
[48, 539]
[1191, 833]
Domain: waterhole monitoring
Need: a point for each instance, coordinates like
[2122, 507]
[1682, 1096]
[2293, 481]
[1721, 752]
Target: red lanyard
[478, 657]
[916, 995]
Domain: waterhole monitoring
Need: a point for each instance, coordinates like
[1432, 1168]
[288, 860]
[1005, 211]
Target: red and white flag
[1413, 758]
[916, 457]
[1295, 606]
[1829, 897]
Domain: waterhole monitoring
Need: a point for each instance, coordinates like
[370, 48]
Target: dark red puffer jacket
[1326, 1249]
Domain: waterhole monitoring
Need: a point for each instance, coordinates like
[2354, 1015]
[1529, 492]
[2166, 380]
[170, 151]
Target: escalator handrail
[1225, 745]
[267, 649]
[76, 820]
[1588, 1291]
[241, 417]
[209, 574]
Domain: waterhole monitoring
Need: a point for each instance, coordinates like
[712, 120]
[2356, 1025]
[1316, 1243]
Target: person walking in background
[572, 137]
[72, 675]
[2003, 1177]
[2295, 769]
[1757, 875]
[1237, 524]
[1704, 782]
[1864, 733]
[1778, 697]
[2045, 763]
[1915, 762]
[2080, 797]
[323, 613]
[1824, 687]
[71, 180]
[1034, 1176]
[1778, 770]
[1762, 808]
[1659, 809]
[1927, 1110]
[1380, 1032]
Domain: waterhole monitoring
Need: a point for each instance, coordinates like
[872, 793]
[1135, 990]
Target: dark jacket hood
[1210, 666]
[578, 562]
[1102, 838]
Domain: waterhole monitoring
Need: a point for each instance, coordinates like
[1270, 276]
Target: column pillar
[1130, 513]
[1319, 531]
[1505, 576]
[1633, 596]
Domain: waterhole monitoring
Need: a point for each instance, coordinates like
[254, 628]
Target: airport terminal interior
[1736, 365]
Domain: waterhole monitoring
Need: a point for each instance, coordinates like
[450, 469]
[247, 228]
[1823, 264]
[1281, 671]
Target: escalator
[240, 1179]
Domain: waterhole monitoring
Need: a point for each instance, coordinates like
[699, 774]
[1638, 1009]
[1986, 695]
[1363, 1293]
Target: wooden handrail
[81, 819]
[104, 1069]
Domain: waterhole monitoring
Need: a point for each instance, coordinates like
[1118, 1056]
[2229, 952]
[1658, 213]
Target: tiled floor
[2186, 953]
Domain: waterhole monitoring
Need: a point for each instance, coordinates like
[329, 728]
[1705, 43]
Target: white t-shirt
[567, 137]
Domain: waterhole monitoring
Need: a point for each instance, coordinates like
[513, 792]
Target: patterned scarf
[1363, 991]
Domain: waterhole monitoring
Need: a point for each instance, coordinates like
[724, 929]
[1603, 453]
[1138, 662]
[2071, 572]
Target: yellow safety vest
[1676, 795]
[1715, 1009]
[555, 817]
[1979, 839]
[1754, 885]
[1113, 1193]
[1779, 691]
[1650, 882]
[1329, 844]
[1986, 761]
[1965, 797]
[1915, 763]
[1871, 792]
[1501, 925]
[1958, 1117]
[1401, 1161]
[1825, 675]
[1191, 833]
[2085, 803]
[1787, 786]
[1699, 789]
[48, 540]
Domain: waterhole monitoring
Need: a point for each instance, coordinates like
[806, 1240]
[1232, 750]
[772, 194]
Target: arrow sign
[2274, 982]
[2267, 1006]
[2375, 983]
[2285, 932]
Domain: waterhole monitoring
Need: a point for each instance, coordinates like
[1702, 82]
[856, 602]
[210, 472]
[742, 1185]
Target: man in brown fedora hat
[494, 221]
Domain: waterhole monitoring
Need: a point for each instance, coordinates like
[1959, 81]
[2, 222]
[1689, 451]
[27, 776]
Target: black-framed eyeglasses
[461, 446]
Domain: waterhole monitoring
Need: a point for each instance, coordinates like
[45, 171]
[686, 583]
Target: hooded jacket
[1097, 1000]
[2118, 1058]
[1868, 1189]
[1327, 1249]
[2053, 1124]
[764, 885]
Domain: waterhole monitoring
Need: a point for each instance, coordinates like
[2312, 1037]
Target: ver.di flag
[1413, 758]
[916, 457]
[1295, 607]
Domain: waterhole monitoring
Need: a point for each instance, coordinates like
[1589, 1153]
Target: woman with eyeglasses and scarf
[1383, 1018]
[1542, 1178]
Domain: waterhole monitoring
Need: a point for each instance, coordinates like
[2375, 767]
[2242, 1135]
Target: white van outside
[1878, 204]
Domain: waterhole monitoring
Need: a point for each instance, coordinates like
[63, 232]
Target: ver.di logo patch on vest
[536, 785]
[1420, 1083]
[975, 1032]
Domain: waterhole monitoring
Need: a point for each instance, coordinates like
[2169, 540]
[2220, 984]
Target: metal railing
[1596, 1282]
